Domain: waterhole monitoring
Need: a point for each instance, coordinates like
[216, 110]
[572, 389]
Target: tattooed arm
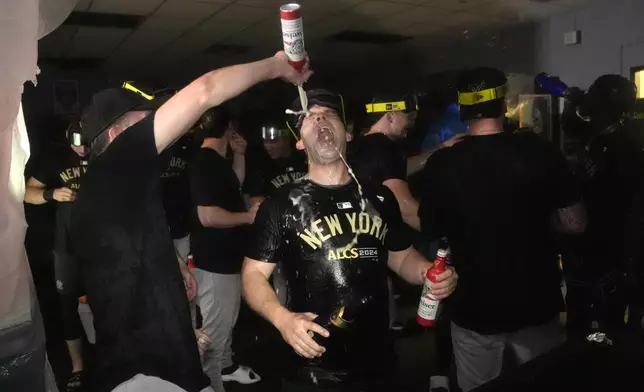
[571, 219]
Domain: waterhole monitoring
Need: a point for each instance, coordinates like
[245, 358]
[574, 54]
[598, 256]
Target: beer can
[293, 34]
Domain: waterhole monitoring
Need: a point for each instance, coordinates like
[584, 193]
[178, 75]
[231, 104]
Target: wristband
[48, 195]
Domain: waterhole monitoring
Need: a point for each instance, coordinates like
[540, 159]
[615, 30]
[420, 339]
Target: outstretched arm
[182, 111]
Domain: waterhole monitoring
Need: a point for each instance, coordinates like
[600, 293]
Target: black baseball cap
[610, 96]
[316, 97]
[481, 93]
[107, 106]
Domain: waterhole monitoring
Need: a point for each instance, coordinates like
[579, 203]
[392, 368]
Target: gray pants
[143, 383]
[479, 358]
[219, 299]
[182, 247]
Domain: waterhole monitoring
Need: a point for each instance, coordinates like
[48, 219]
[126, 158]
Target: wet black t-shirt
[62, 168]
[273, 174]
[493, 197]
[130, 270]
[213, 183]
[376, 158]
[613, 191]
[175, 186]
[334, 254]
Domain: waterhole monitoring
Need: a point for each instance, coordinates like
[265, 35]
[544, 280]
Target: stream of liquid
[363, 202]
[304, 102]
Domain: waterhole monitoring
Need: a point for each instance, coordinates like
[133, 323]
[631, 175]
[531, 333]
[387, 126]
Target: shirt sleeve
[267, 233]
[203, 185]
[44, 170]
[133, 154]
[398, 237]
[391, 163]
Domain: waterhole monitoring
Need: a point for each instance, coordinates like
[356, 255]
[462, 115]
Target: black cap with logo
[316, 97]
[481, 93]
[107, 106]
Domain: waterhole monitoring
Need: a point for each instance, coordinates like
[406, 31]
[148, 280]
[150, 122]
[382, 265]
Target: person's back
[613, 191]
[497, 194]
[134, 286]
[175, 187]
[614, 181]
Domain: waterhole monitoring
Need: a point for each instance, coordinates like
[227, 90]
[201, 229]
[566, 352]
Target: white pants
[479, 358]
[143, 383]
[219, 299]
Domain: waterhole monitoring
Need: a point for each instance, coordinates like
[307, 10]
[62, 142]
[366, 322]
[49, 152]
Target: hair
[370, 119]
[99, 145]
[479, 79]
[213, 123]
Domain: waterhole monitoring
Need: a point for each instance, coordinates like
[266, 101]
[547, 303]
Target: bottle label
[428, 306]
[293, 37]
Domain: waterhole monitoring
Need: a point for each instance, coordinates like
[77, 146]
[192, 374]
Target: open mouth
[325, 135]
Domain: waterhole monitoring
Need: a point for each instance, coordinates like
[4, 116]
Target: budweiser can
[293, 34]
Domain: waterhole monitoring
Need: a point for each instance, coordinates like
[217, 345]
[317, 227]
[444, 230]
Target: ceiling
[178, 33]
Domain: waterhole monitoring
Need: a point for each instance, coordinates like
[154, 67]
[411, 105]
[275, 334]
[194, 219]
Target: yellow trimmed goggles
[410, 104]
[474, 98]
[129, 86]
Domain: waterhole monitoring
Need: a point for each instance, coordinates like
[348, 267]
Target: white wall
[612, 42]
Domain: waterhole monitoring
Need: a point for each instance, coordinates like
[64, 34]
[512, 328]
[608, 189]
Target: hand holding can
[293, 34]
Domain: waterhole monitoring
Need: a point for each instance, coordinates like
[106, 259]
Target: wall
[612, 42]
[512, 50]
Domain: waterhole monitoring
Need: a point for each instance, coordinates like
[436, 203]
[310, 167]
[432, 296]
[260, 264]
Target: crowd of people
[164, 225]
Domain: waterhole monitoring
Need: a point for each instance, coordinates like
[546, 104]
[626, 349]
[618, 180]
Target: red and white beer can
[293, 34]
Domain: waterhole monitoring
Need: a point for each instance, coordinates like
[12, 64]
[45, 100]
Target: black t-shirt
[613, 191]
[376, 158]
[493, 198]
[272, 174]
[213, 183]
[334, 254]
[130, 269]
[61, 168]
[175, 186]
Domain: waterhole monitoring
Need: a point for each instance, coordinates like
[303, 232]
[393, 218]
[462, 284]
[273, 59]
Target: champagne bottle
[342, 318]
